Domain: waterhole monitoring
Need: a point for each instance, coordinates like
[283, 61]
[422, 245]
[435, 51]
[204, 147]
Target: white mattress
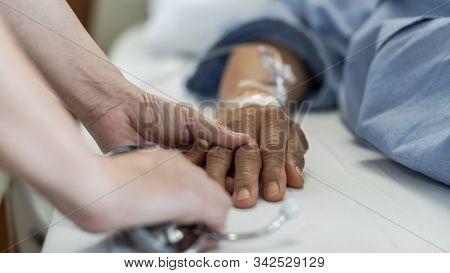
[354, 199]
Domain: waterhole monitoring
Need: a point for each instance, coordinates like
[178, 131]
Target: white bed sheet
[354, 199]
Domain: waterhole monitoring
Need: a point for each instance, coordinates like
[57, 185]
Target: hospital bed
[354, 199]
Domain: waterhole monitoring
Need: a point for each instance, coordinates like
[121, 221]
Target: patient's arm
[245, 63]
[277, 154]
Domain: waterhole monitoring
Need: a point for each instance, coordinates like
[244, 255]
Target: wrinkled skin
[274, 155]
[142, 117]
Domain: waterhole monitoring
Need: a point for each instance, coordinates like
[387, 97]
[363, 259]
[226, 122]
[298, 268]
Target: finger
[295, 160]
[218, 162]
[203, 200]
[247, 159]
[272, 139]
[215, 206]
[247, 170]
[218, 134]
[303, 141]
[197, 153]
[229, 184]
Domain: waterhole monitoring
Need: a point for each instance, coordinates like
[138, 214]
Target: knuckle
[295, 155]
[219, 152]
[243, 121]
[248, 152]
[218, 158]
[295, 149]
[217, 174]
[273, 157]
[273, 163]
[202, 145]
[247, 172]
[271, 147]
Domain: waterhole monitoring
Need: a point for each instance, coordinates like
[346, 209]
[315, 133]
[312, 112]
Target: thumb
[217, 134]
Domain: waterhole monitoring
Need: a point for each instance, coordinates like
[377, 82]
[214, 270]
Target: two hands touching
[162, 184]
[274, 155]
[145, 187]
[250, 143]
[269, 148]
[169, 187]
[268, 154]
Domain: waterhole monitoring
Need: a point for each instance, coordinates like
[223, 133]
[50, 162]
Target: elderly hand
[274, 155]
[138, 116]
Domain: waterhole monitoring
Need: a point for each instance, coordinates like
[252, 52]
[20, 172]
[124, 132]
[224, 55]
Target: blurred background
[106, 19]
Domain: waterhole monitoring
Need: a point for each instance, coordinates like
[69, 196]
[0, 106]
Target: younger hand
[148, 187]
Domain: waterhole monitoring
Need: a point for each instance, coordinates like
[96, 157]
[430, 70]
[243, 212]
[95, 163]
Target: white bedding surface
[354, 199]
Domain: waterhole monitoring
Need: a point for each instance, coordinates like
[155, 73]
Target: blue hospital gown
[384, 63]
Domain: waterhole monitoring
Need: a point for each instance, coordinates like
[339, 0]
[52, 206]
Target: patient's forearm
[38, 139]
[245, 63]
[68, 57]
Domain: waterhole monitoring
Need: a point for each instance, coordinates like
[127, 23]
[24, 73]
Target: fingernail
[273, 188]
[242, 194]
[299, 171]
